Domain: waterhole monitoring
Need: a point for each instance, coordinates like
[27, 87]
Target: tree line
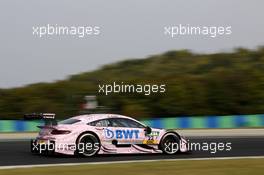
[196, 84]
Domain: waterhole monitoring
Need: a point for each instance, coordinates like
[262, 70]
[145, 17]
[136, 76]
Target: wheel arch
[170, 132]
[88, 132]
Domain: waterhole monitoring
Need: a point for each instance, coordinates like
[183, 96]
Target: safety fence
[232, 121]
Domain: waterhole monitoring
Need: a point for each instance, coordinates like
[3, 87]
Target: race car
[92, 134]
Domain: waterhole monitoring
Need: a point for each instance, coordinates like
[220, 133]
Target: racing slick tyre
[170, 143]
[88, 145]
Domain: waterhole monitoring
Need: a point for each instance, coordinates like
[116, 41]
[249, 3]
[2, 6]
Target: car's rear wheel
[170, 143]
[88, 145]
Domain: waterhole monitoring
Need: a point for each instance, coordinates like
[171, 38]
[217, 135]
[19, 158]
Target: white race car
[93, 134]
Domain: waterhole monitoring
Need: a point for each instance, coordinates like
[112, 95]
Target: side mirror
[148, 130]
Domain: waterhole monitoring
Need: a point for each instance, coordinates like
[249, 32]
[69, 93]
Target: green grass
[199, 167]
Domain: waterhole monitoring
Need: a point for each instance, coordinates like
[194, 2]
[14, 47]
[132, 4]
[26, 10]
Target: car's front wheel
[170, 143]
[88, 145]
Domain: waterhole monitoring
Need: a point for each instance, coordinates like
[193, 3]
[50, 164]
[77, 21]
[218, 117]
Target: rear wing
[48, 118]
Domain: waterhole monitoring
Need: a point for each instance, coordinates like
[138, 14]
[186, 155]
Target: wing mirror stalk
[148, 130]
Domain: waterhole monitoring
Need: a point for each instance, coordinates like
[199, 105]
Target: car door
[102, 130]
[127, 131]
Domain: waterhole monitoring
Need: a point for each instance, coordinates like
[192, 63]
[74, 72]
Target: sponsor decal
[121, 134]
[109, 134]
[151, 139]
[150, 142]
[154, 133]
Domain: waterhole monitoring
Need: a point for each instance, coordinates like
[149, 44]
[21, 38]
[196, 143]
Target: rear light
[58, 132]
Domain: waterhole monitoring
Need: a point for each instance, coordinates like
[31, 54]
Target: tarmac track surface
[14, 153]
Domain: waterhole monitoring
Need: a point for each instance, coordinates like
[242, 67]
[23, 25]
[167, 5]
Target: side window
[115, 122]
[100, 123]
[132, 123]
[122, 122]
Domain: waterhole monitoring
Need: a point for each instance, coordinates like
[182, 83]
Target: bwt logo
[122, 134]
[109, 134]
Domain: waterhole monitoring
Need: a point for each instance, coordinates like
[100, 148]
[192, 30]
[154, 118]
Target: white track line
[129, 161]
